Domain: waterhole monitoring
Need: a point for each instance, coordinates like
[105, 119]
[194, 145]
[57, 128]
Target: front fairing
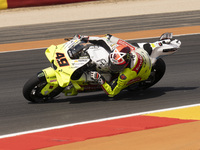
[63, 65]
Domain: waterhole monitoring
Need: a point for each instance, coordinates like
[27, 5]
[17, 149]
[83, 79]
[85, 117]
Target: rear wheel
[32, 90]
[157, 72]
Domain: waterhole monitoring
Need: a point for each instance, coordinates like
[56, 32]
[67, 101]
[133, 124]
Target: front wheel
[32, 90]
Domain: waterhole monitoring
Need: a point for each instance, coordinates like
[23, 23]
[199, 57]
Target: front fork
[49, 75]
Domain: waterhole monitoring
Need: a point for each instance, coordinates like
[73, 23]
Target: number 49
[62, 61]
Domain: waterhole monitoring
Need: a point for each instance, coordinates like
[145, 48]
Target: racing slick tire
[32, 90]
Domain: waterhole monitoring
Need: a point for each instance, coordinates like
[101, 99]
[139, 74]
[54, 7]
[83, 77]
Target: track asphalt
[168, 137]
[172, 123]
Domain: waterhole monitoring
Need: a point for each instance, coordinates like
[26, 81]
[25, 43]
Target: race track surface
[179, 86]
[98, 26]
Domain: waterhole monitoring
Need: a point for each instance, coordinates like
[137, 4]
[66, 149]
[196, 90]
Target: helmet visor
[116, 68]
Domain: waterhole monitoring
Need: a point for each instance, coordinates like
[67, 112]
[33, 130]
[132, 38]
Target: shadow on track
[124, 95]
[150, 93]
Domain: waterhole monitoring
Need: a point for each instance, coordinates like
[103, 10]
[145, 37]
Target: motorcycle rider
[132, 62]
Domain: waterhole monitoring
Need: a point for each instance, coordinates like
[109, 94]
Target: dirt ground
[125, 36]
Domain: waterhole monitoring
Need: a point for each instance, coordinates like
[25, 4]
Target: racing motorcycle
[72, 62]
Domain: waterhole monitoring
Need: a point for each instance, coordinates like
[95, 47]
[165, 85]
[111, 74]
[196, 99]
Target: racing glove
[97, 77]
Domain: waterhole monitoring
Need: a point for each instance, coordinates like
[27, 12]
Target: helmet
[119, 58]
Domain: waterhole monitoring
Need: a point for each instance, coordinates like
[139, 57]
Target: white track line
[12, 51]
[126, 40]
[159, 37]
[94, 121]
